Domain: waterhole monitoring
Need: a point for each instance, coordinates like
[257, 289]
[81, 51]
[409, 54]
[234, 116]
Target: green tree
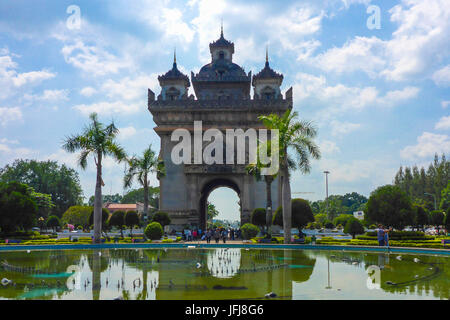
[301, 214]
[296, 136]
[255, 169]
[447, 221]
[153, 231]
[137, 195]
[117, 219]
[258, 217]
[353, 227]
[77, 216]
[99, 140]
[390, 206]
[162, 218]
[422, 216]
[249, 231]
[131, 220]
[445, 198]
[437, 218]
[212, 211]
[320, 218]
[107, 198]
[47, 178]
[17, 207]
[53, 222]
[342, 219]
[105, 217]
[140, 168]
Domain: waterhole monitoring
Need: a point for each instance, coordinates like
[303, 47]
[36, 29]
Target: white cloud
[418, 45]
[109, 108]
[126, 133]
[11, 80]
[342, 128]
[443, 123]
[131, 88]
[328, 147]
[442, 76]
[9, 154]
[93, 59]
[340, 97]
[49, 95]
[361, 53]
[427, 145]
[8, 115]
[445, 104]
[88, 91]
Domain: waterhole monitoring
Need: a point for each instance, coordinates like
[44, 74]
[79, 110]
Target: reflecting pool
[234, 273]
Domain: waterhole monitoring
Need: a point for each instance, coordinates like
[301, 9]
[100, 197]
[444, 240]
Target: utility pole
[326, 178]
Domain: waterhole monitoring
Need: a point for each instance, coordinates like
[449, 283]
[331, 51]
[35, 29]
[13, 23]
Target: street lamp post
[434, 196]
[326, 178]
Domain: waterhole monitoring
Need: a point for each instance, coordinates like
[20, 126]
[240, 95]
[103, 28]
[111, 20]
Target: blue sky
[379, 97]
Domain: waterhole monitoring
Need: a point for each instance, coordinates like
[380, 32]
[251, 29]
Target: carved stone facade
[223, 102]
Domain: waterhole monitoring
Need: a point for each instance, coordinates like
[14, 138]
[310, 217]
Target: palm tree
[296, 136]
[254, 169]
[140, 168]
[99, 140]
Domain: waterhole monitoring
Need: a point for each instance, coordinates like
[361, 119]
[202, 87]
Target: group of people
[217, 234]
[383, 236]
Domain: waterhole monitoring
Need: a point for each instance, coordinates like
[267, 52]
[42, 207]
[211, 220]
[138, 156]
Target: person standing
[380, 235]
[217, 235]
[224, 235]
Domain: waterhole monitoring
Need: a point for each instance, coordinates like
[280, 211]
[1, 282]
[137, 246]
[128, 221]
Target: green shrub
[249, 231]
[162, 218]
[154, 231]
[258, 217]
[353, 227]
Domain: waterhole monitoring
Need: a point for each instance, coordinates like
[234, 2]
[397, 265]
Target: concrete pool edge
[224, 245]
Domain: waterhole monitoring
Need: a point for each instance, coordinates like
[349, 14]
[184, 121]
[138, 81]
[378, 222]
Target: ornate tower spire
[175, 55]
[267, 55]
[221, 28]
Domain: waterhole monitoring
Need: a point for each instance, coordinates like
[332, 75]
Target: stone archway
[206, 190]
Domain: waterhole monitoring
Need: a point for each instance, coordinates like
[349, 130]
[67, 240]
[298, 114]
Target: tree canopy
[390, 206]
[17, 207]
[137, 195]
[47, 177]
[416, 182]
[301, 214]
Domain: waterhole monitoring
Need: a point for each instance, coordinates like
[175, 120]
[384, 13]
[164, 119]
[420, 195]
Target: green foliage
[17, 207]
[131, 219]
[77, 216]
[117, 219]
[258, 217]
[43, 201]
[339, 204]
[53, 222]
[342, 219]
[422, 216]
[212, 211]
[162, 218]
[353, 227]
[416, 182]
[47, 177]
[390, 206]
[110, 198]
[320, 218]
[329, 225]
[249, 231]
[105, 217]
[447, 220]
[153, 231]
[301, 214]
[437, 218]
[137, 195]
[445, 198]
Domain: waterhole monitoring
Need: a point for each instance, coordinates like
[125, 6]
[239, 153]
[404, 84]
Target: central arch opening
[224, 194]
